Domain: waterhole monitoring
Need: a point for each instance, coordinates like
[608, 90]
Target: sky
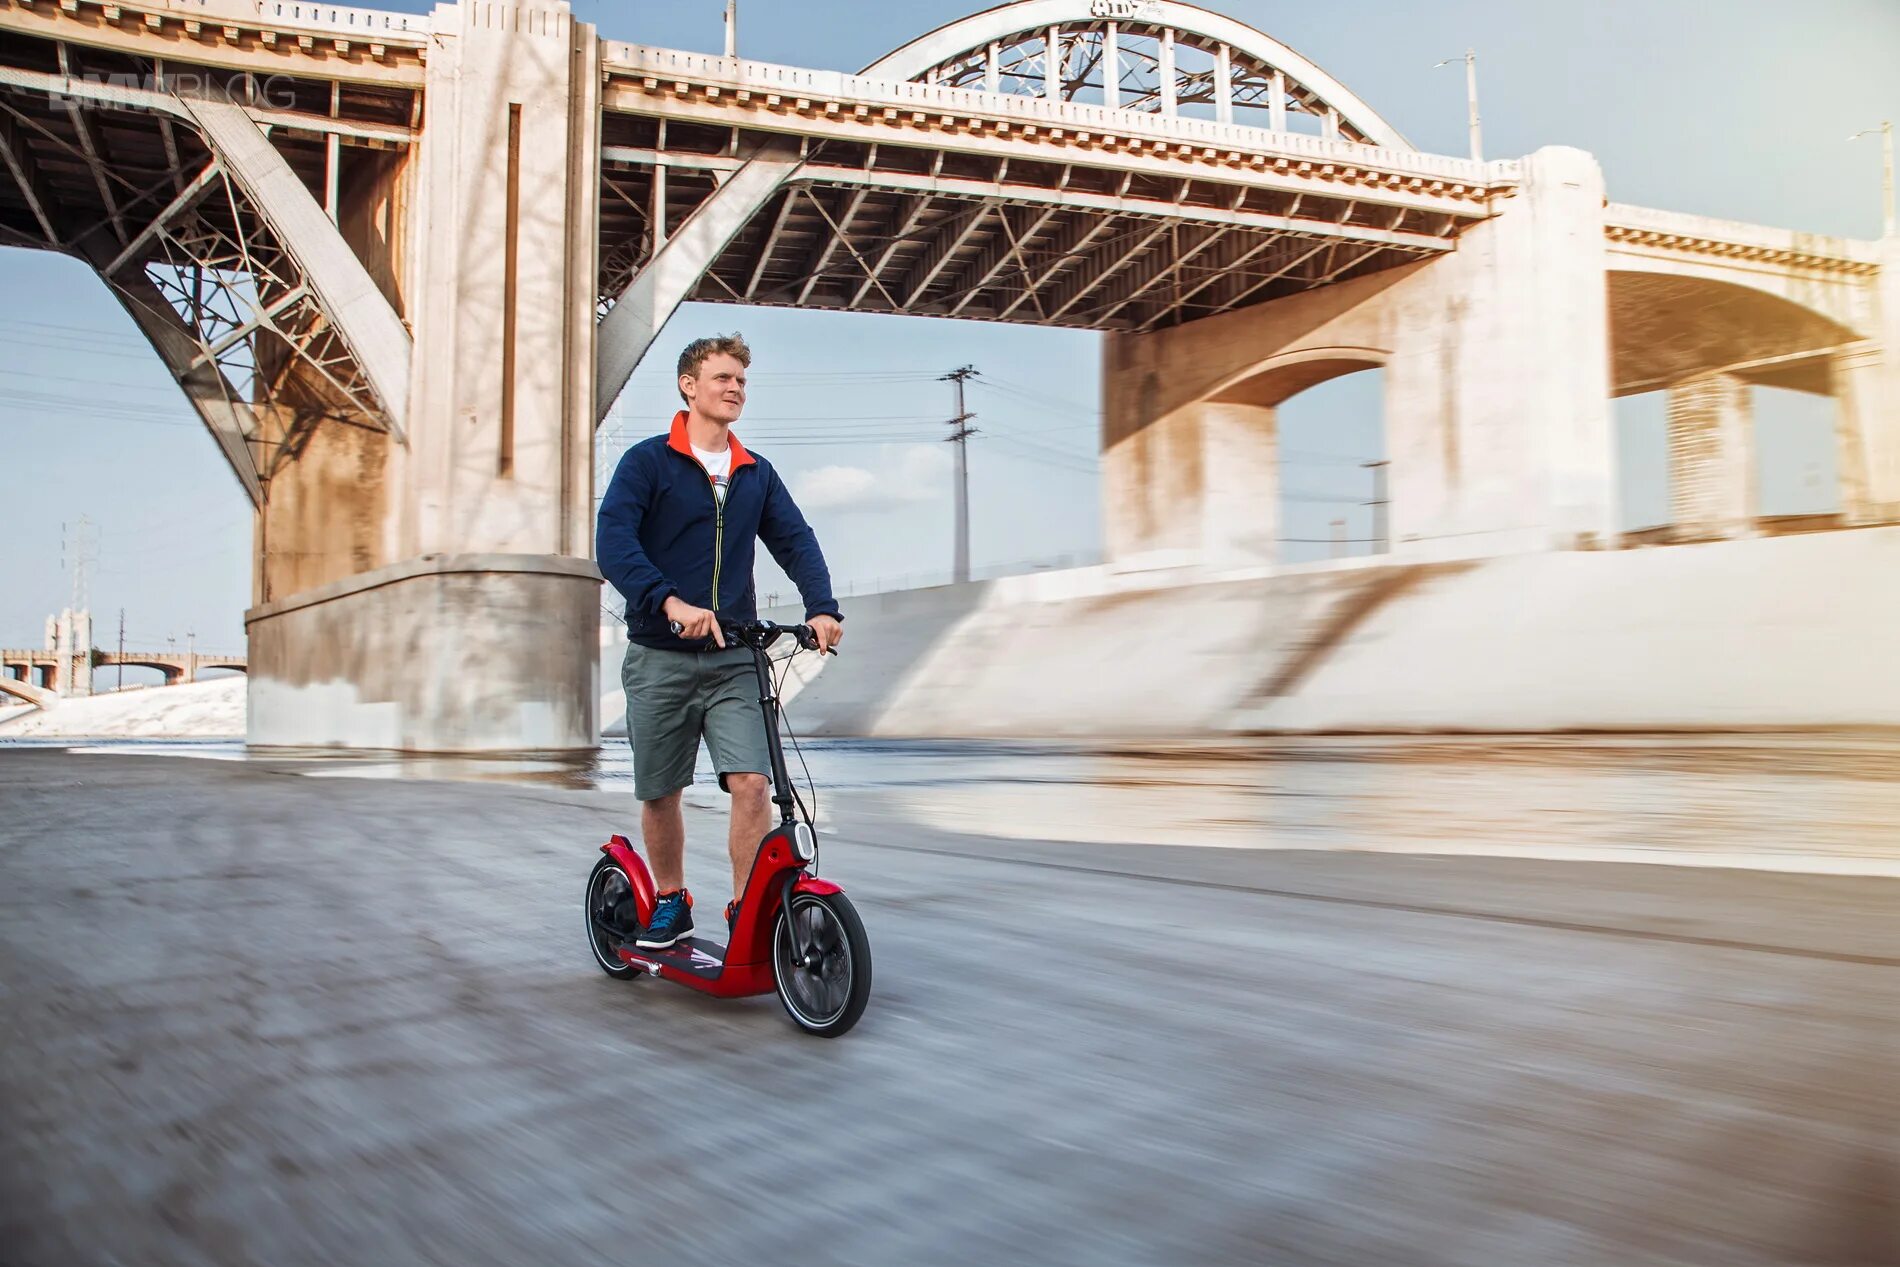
[1739, 110]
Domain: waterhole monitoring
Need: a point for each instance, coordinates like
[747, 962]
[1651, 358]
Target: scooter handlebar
[759, 633]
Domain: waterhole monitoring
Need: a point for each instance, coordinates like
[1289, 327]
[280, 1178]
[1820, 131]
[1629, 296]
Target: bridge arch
[1007, 49]
[1251, 74]
[1286, 374]
[26, 692]
[1219, 450]
[1668, 326]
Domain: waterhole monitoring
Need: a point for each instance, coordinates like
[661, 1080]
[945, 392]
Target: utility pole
[959, 436]
[191, 648]
[1470, 59]
[1381, 543]
[1339, 539]
[122, 648]
[732, 28]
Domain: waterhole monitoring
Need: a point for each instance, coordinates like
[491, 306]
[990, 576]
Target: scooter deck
[695, 956]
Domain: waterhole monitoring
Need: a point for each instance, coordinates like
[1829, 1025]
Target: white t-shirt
[718, 464]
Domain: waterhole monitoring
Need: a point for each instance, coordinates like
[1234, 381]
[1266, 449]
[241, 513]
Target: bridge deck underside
[884, 228]
[105, 172]
[133, 190]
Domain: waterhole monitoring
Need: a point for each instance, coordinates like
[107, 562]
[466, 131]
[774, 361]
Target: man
[675, 538]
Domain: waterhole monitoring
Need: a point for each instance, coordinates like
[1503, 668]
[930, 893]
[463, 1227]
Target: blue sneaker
[672, 920]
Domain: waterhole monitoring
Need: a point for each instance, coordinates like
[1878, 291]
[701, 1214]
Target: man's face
[719, 391]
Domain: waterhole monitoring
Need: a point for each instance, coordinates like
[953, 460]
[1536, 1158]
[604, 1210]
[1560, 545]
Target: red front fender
[621, 850]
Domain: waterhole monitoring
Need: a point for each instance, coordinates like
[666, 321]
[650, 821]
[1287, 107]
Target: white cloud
[915, 474]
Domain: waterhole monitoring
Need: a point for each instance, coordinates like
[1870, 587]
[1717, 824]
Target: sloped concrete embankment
[1789, 632]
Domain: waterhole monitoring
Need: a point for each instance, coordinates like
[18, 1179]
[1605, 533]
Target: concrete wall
[1781, 632]
[461, 653]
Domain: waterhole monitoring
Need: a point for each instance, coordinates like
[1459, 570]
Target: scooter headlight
[804, 844]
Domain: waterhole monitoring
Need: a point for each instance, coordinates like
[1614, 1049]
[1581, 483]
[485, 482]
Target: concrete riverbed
[247, 1016]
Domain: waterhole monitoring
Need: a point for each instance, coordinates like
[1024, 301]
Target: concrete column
[1867, 433]
[1198, 486]
[438, 595]
[1713, 480]
[1153, 479]
[505, 241]
[1866, 388]
[1498, 420]
[73, 636]
[1240, 472]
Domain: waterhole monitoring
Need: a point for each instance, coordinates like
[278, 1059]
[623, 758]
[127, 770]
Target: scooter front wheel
[609, 894]
[821, 960]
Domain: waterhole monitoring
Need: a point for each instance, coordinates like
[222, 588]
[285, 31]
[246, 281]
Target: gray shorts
[674, 698]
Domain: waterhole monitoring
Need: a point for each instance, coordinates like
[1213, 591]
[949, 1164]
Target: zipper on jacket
[719, 536]
[719, 525]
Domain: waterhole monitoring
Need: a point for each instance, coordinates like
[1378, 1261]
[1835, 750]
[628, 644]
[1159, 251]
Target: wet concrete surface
[252, 1017]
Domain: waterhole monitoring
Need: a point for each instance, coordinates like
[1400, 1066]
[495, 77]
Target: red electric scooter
[796, 934]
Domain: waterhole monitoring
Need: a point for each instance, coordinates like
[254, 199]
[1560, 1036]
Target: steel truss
[877, 229]
[1148, 60]
[254, 318]
[136, 192]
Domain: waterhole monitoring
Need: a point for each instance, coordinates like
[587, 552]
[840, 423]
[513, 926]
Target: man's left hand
[827, 630]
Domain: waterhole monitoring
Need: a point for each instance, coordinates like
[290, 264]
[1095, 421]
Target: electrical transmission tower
[959, 435]
[79, 544]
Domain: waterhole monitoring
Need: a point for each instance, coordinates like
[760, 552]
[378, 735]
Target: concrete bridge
[402, 265]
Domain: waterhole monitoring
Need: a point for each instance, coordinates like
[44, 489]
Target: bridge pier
[1865, 381]
[1497, 416]
[437, 595]
[1714, 482]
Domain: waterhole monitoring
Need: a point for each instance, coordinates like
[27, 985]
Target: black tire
[607, 885]
[828, 999]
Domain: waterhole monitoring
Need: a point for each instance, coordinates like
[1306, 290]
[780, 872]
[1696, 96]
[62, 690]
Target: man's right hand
[694, 622]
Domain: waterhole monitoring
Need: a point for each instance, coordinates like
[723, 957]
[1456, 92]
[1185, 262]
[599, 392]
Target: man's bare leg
[751, 817]
[663, 828]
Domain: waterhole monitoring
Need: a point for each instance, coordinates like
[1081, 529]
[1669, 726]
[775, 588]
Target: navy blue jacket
[662, 532]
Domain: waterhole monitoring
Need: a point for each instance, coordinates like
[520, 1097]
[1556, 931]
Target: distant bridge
[38, 675]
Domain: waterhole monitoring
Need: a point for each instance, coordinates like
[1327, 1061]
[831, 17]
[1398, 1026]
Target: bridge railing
[640, 60]
[1694, 229]
[331, 18]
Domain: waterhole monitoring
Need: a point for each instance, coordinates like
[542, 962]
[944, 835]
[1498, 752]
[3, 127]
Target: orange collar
[678, 440]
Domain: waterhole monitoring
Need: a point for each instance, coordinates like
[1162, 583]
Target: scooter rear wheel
[608, 889]
[821, 960]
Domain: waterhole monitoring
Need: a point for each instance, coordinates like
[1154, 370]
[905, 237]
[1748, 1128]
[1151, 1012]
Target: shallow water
[1789, 802]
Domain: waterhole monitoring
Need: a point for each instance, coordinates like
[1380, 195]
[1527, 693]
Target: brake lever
[811, 644]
